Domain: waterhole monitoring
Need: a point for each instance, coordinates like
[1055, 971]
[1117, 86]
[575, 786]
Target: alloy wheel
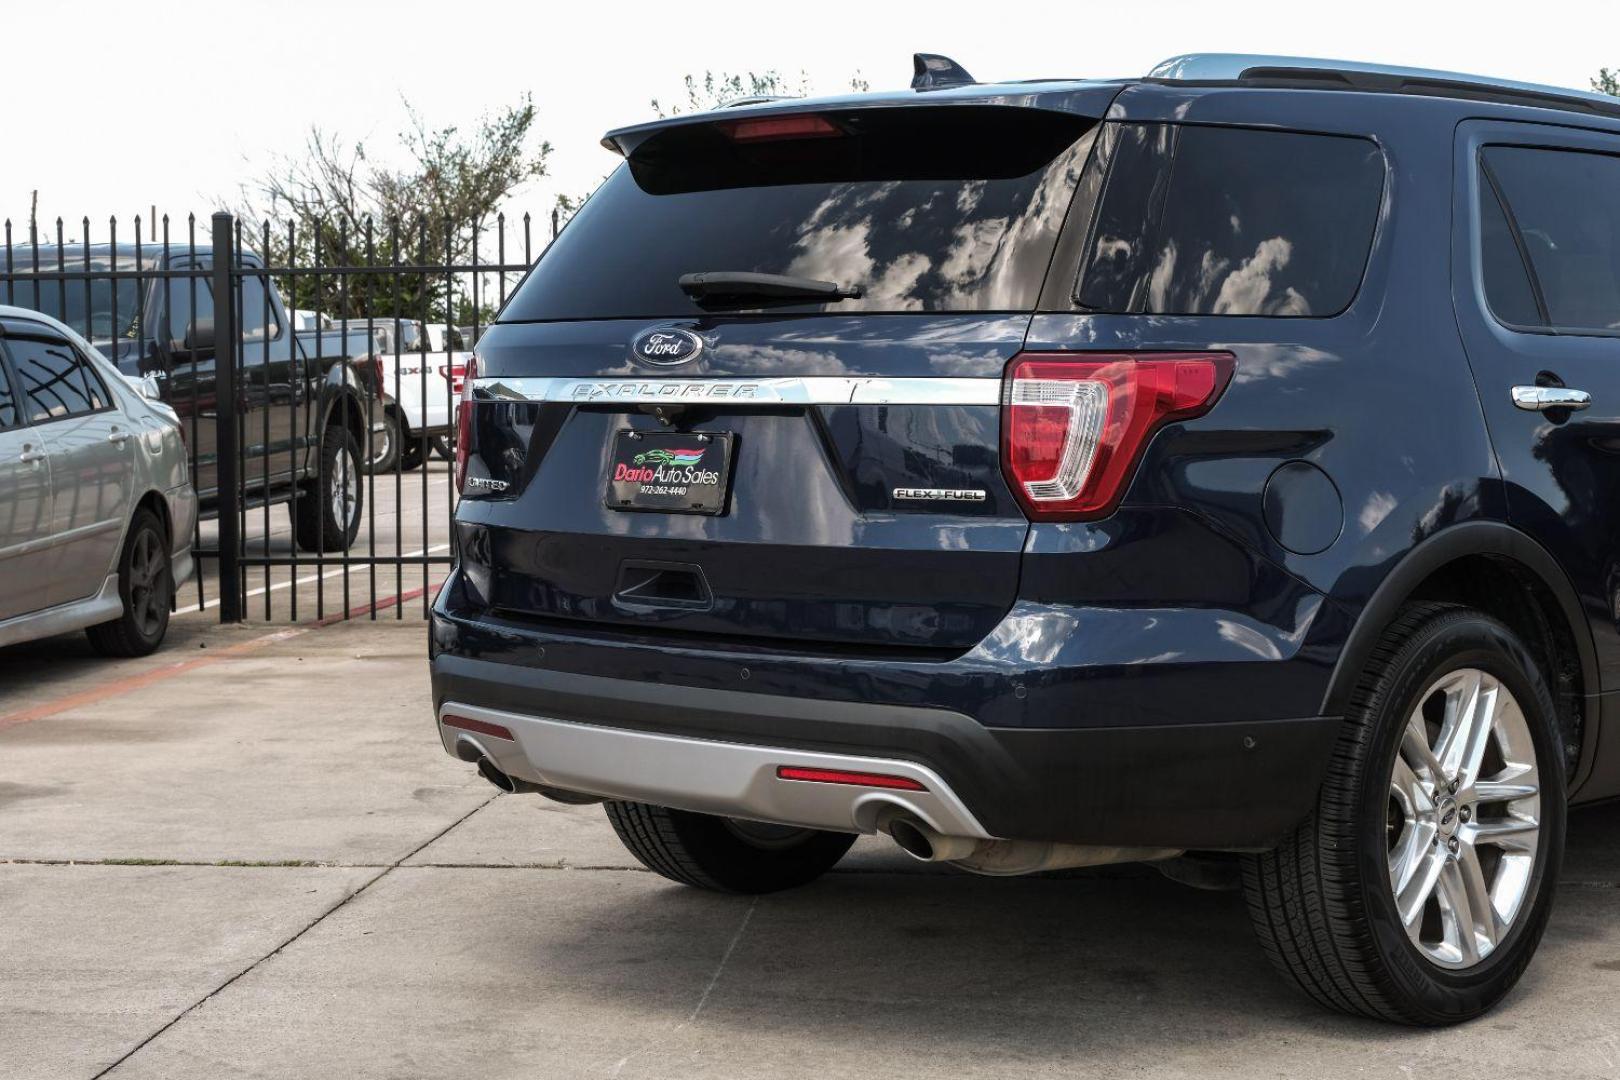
[1464, 818]
[148, 577]
[345, 499]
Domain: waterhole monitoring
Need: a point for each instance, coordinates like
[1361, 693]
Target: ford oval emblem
[666, 346]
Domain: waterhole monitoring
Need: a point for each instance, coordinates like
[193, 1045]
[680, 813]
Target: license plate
[669, 472]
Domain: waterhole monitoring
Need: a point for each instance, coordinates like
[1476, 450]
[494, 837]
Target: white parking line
[305, 580]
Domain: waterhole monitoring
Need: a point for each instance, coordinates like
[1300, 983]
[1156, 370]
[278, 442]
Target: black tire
[415, 453]
[319, 524]
[716, 853]
[444, 446]
[146, 585]
[385, 444]
[1323, 903]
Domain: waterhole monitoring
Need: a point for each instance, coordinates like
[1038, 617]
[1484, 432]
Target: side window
[182, 290]
[1566, 206]
[94, 388]
[1508, 290]
[56, 382]
[258, 314]
[1249, 222]
[10, 415]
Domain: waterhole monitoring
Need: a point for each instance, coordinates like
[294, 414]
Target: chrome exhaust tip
[487, 769]
[924, 844]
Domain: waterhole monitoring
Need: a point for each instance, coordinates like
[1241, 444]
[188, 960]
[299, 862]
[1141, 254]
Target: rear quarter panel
[1380, 398]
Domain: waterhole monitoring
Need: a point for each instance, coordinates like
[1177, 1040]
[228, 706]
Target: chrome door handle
[118, 437]
[28, 457]
[1542, 398]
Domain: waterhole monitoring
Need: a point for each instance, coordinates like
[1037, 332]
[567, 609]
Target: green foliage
[335, 206]
[1607, 82]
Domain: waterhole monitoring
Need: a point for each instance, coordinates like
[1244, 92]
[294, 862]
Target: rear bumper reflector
[838, 776]
[482, 727]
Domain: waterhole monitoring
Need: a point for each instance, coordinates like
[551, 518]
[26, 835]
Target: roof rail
[1385, 78]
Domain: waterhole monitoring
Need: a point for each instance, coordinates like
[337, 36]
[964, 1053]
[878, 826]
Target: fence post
[227, 440]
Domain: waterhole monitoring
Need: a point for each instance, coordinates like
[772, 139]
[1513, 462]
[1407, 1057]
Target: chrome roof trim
[1224, 67]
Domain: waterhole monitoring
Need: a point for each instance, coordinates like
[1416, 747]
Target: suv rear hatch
[802, 465]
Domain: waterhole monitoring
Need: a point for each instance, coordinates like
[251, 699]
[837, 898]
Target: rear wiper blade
[720, 286]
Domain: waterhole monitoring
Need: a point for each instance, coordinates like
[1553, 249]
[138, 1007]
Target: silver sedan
[96, 503]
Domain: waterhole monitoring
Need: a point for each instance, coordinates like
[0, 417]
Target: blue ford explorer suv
[1219, 468]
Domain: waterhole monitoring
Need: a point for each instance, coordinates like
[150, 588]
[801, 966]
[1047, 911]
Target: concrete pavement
[248, 856]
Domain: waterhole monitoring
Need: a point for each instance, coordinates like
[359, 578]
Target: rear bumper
[1215, 786]
[733, 779]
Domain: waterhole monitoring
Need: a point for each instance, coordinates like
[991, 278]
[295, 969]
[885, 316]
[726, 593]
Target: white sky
[114, 106]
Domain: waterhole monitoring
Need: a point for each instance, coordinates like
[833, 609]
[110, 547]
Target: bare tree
[335, 206]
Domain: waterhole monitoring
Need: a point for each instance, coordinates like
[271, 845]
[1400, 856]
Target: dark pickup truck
[302, 415]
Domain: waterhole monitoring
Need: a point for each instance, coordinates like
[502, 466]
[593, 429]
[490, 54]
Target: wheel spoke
[1411, 898]
[1457, 912]
[1514, 834]
[1416, 842]
[1487, 925]
[1407, 789]
[1502, 791]
[1415, 749]
[1471, 714]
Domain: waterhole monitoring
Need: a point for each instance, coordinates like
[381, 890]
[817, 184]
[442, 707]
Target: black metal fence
[318, 406]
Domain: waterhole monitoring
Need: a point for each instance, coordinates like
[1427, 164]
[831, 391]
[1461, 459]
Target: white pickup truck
[418, 368]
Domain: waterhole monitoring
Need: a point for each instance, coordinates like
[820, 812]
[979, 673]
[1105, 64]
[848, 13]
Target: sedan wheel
[146, 587]
[149, 583]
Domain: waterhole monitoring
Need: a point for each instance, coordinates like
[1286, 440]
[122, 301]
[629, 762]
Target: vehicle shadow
[1118, 966]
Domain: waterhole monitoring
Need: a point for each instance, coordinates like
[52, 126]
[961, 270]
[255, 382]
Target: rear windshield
[953, 208]
[1232, 221]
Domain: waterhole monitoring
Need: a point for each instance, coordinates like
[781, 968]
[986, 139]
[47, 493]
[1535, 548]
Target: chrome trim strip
[797, 390]
[730, 779]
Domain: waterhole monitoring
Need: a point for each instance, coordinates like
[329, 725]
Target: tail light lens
[1073, 426]
[464, 410]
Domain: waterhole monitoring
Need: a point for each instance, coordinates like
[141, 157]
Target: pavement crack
[724, 958]
[306, 928]
[703, 999]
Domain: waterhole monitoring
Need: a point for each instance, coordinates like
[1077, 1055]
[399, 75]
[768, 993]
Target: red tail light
[767, 128]
[1074, 425]
[464, 410]
[456, 373]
